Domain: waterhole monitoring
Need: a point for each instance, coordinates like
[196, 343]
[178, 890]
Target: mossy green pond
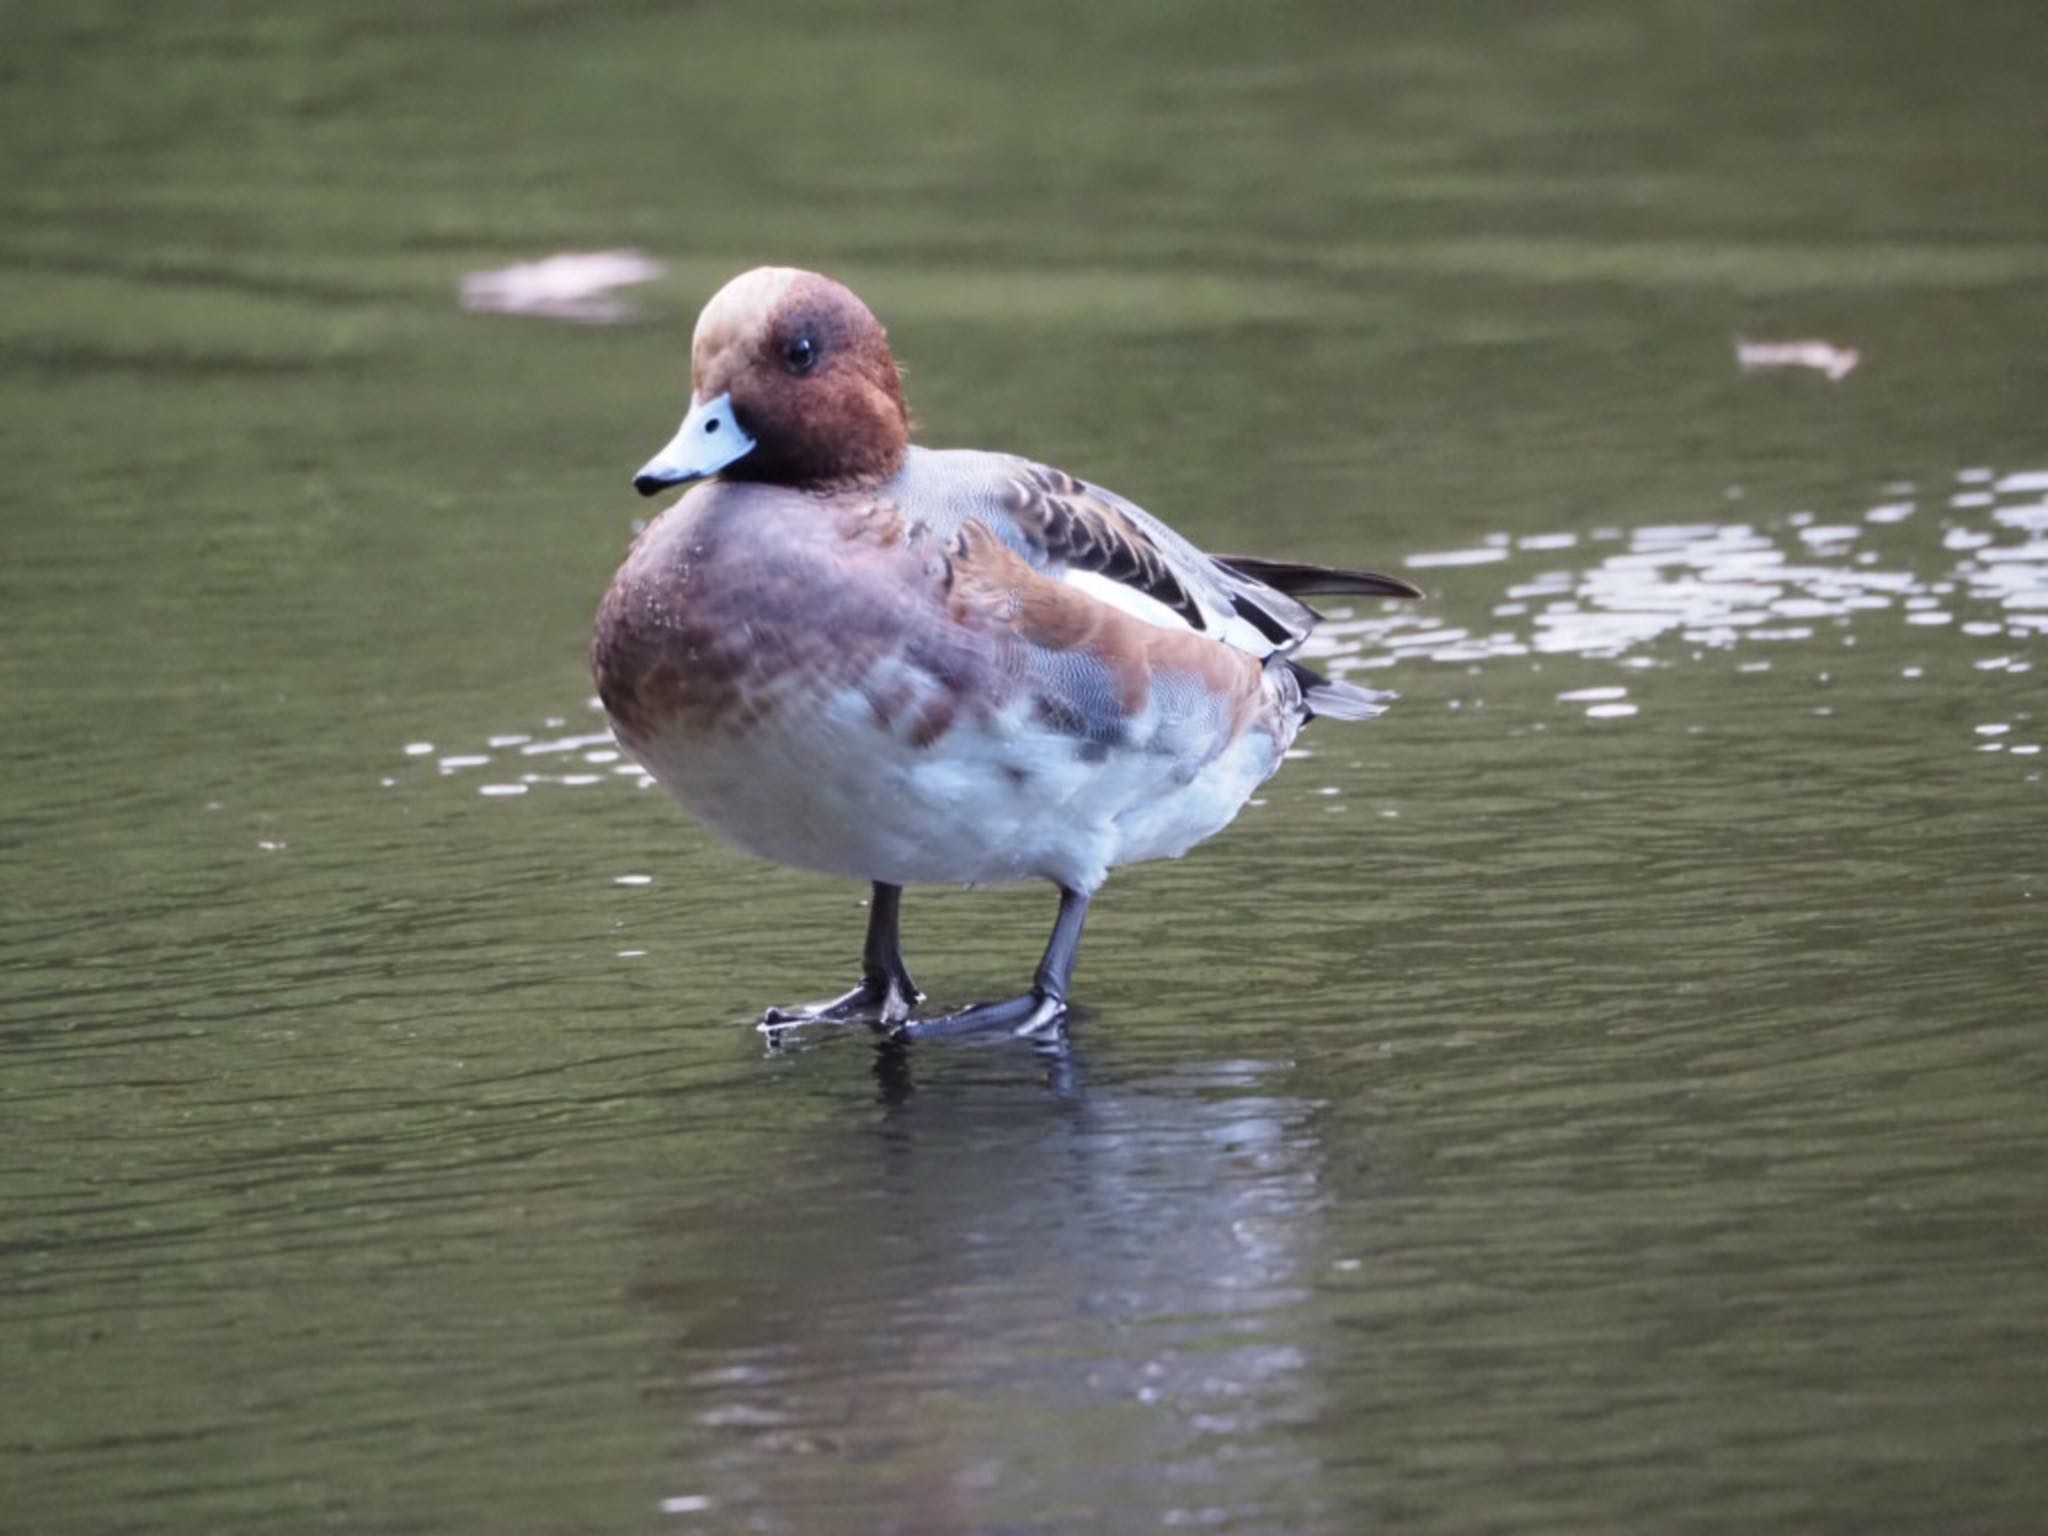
[1603, 1094]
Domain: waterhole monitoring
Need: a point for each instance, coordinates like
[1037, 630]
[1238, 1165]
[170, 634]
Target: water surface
[1602, 1094]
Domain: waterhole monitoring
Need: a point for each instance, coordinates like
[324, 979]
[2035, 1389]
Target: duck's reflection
[1008, 1303]
[1058, 1060]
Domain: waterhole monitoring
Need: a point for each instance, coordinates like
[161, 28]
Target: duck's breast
[744, 600]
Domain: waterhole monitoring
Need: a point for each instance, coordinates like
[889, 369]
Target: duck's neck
[857, 446]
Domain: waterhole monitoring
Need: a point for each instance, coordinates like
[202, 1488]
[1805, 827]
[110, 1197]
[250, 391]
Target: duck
[858, 656]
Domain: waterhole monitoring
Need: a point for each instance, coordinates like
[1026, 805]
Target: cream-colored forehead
[743, 308]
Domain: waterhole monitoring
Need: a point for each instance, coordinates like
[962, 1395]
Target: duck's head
[791, 383]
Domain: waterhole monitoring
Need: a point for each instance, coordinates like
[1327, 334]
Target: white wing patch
[1139, 606]
[1233, 631]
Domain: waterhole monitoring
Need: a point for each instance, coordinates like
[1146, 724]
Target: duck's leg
[1036, 1011]
[886, 993]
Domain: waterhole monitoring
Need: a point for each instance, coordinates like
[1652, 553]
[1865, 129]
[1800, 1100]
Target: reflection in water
[1663, 596]
[555, 756]
[896, 1061]
[1088, 1319]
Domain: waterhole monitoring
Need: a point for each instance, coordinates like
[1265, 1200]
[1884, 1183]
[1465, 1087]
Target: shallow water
[1602, 1094]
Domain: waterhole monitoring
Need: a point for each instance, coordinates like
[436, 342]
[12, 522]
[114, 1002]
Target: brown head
[792, 384]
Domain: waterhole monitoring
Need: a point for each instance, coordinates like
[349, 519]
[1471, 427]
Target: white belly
[830, 788]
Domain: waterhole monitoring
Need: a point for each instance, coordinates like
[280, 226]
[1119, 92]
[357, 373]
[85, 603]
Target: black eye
[800, 356]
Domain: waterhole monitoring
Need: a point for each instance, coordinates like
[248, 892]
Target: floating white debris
[1821, 356]
[633, 880]
[575, 285]
[501, 789]
[418, 748]
[1592, 695]
[1609, 711]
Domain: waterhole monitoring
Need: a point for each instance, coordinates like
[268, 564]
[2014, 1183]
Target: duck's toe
[1035, 1013]
[876, 1000]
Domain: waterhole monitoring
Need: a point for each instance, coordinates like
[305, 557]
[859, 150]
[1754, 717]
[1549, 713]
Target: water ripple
[1961, 578]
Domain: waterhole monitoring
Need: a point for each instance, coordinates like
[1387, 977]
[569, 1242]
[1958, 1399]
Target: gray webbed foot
[886, 995]
[1034, 1014]
[876, 1000]
[1039, 1012]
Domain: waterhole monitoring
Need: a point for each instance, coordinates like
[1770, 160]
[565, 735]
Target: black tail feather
[1296, 577]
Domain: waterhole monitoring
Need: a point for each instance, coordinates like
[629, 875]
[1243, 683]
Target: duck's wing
[1122, 554]
[1295, 577]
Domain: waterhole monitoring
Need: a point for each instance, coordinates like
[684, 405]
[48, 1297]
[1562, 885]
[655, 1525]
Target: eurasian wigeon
[909, 665]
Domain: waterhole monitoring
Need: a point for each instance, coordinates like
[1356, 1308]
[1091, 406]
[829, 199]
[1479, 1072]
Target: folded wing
[1066, 527]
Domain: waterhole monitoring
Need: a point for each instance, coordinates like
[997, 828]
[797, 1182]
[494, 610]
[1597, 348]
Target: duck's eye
[800, 356]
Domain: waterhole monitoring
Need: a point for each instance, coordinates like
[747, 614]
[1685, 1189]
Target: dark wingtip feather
[1295, 577]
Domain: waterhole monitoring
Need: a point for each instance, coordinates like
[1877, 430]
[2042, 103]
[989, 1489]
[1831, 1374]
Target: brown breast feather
[746, 609]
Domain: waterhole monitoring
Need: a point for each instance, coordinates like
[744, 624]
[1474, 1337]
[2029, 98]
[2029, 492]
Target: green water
[1547, 1111]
